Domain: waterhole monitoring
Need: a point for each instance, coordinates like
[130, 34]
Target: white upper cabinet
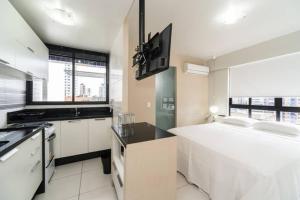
[20, 47]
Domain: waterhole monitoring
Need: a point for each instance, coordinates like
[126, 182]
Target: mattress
[238, 163]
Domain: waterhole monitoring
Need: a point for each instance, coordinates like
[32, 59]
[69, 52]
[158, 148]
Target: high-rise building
[88, 93]
[82, 90]
[68, 80]
[102, 92]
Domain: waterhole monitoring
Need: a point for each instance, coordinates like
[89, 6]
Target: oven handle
[48, 164]
[52, 137]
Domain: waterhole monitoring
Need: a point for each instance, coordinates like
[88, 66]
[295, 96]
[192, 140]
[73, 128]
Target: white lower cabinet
[21, 170]
[74, 137]
[144, 170]
[99, 134]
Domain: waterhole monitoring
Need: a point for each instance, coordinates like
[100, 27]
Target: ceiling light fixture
[232, 15]
[61, 16]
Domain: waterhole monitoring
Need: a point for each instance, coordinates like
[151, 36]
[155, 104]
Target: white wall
[219, 79]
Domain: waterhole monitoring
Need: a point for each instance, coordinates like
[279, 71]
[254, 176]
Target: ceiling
[97, 21]
[198, 32]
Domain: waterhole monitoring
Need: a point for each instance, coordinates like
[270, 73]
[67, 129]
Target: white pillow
[279, 127]
[240, 121]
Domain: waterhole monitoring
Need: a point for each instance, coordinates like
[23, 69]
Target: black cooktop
[29, 125]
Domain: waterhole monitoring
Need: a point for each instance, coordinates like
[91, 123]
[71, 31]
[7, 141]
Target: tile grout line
[80, 180]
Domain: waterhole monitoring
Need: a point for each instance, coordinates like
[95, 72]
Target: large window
[286, 109]
[75, 77]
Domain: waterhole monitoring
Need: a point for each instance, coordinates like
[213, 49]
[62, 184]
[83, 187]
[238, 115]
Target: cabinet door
[7, 54]
[20, 47]
[99, 134]
[74, 137]
[21, 170]
[7, 15]
[57, 141]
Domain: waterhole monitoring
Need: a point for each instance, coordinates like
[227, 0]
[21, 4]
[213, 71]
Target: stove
[29, 125]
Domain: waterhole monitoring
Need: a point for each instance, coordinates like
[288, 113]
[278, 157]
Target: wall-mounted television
[156, 56]
[153, 56]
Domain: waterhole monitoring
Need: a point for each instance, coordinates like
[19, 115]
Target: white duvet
[238, 163]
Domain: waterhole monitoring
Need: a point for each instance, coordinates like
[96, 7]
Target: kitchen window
[286, 109]
[74, 77]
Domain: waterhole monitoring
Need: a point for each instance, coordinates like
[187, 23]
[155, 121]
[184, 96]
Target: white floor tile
[62, 189]
[181, 181]
[104, 193]
[67, 170]
[92, 164]
[74, 198]
[43, 197]
[92, 180]
[190, 192]
[86, 181]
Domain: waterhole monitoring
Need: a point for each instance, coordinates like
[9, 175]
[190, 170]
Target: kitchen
[54, 103]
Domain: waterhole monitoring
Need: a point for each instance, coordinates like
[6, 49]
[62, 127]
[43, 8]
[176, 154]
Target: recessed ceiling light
[232, 15]
[61, 16]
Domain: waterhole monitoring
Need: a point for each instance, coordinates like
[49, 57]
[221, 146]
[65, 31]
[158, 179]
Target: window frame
[70, 53]
[278, 107]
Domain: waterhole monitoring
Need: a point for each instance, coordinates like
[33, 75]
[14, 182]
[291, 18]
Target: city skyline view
[267, 115]
[90, 82]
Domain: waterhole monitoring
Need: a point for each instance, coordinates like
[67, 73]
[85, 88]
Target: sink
[3, 143]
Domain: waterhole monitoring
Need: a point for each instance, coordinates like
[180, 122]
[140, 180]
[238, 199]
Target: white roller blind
[275, 77]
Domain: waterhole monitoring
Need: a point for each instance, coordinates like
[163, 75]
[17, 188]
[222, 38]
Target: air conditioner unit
[195, 69]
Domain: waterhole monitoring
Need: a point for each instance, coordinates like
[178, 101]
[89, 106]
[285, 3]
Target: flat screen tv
[154, 56]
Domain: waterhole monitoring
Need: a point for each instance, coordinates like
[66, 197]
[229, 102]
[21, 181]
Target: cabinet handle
[35, 136]
[30, 49]
[8, 155]
[29, 73]
[4, 62]
[36, 150]
[35, 166]
[74, 121]
[99, 119]
[114, 165]
[52, 137]
[119, 180]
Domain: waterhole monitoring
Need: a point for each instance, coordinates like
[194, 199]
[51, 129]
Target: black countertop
[57, 114]
[11, 138]
[139, 132]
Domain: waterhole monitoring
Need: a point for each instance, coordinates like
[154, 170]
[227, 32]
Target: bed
[238, 163]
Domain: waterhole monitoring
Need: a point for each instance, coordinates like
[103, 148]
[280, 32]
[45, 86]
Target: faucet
[111, 105]
[76, 112]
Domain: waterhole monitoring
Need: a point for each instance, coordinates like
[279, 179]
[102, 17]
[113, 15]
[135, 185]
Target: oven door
[49, 172]
[50, 144]
[49, 157]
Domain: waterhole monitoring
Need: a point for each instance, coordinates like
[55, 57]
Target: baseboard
[81, 157]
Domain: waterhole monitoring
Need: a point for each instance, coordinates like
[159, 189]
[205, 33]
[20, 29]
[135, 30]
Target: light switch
[148, 104]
